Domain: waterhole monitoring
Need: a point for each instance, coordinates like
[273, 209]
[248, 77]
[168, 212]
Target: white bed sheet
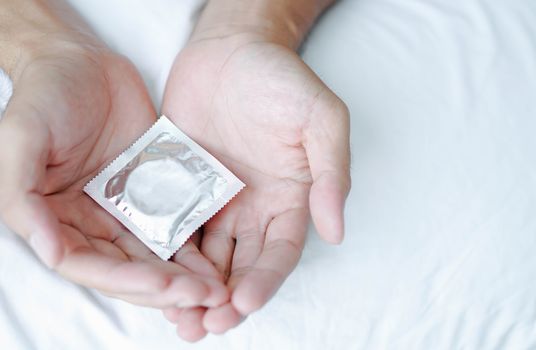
[441, 239]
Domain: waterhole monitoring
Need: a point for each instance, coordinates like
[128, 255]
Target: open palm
[74, 111]
[260, 110]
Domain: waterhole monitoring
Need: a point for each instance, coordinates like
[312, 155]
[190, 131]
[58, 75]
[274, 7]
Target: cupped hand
[76, 107]
[261, 111]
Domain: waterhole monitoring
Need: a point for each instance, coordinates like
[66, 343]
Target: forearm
[27, 27]
[285, 22]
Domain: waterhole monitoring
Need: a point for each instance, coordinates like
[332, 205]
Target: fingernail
[43, 248]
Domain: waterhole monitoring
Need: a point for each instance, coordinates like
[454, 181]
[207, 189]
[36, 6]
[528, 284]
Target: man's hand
[253, 103]
[76, 106]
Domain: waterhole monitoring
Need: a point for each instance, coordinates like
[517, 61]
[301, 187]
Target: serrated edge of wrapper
[94, 187]
[213, 213]
[107, 168]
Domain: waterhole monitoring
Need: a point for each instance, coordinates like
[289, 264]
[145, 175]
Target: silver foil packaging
[164, 187]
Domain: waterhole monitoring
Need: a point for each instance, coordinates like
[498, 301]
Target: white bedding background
[441, 222]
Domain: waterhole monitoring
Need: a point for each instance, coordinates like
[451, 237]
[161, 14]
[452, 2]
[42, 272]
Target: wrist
[31, 29]
[284, 22]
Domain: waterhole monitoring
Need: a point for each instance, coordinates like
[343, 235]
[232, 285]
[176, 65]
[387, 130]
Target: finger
[126, 248]
[32, 219]
[103, 231]
[135, 249]
[221, 319]
[205, 272]
[23, 160]
[327, 143]
[142, 283]
[84, 214]
[111, 274]
[185, 291]
[107, 248]
[218, 245]
[193, 290]
[190, 324]
[256, 284]
[190, 257]
[248, 248]
[172, 313]
[249, 245]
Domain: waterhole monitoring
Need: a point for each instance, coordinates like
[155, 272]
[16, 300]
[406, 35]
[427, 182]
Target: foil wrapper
[164, 187]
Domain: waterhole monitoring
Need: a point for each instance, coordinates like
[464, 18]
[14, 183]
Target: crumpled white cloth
[441, 221]
[6, 90]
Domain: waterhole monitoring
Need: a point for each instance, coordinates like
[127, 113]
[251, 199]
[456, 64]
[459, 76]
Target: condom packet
[164, 187]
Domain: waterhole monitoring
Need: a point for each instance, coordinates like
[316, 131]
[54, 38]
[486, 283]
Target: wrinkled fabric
[441, 222]
[6, 90]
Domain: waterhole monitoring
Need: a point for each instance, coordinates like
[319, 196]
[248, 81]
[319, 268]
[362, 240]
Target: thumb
[23, 159]
[327, 143]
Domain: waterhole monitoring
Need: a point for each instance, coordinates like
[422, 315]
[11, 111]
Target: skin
[76, 106]
[239, 89]
[245, 95]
